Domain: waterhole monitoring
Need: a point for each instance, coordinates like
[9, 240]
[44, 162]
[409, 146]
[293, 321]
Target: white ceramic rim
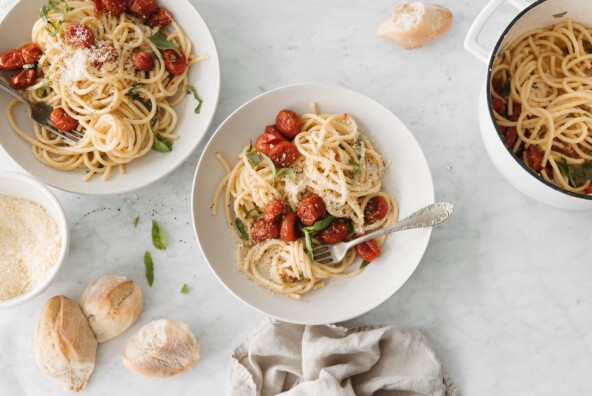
[214, 57]
[492, 58]
[64, 231]
[423, 247]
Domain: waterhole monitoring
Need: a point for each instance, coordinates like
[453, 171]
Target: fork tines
[72, 136]
[322, 254]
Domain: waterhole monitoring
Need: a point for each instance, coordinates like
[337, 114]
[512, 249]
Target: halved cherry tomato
[288, 123]
[284, 154]
[141, 8]
[268, 141]
[79, 36]
[534, 158]
[31, 53]
[103, 53]
[375, 210]
[143, 61]
[288, 230]
[261, 230]
[516, 111]
[61, 120]
[498, 106]
[510, 136]
[174, 63]
[11, 60]
[311, 209]
[336, 232]
[160, 18]
[368, 250]
[273, 210]
[23, 79]
[115, 7]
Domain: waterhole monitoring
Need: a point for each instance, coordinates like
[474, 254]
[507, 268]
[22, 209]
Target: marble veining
[503, 291]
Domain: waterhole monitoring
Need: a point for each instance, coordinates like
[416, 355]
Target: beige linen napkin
[287, 359]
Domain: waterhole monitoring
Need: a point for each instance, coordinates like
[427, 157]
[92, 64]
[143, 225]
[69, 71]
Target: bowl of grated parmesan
[34, 238]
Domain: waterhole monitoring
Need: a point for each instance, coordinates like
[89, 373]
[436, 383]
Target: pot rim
[492, 117]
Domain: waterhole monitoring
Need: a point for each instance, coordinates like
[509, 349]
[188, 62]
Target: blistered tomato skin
[143, 61]
[311, 209]
[115, 7]
[288, 230]
[61, 120]
[11, 60]
[273, 210]
[31, 53]
[261, 230]
[141, 8]
[375, 210]
[160, 18]
[288, 123]
[368, 250]
[79, 36]
[336, 232]
[174, 63]
[23, 79]
[284, 154]
[267, 141]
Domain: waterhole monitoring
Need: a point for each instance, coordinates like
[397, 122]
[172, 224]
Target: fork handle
[14, 92]
[428, 216]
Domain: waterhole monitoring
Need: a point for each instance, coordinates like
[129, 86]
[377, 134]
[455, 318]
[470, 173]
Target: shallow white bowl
[205, 76]
[21, 186]
[408, 178]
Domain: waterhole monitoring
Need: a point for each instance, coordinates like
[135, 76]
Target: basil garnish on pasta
[277, 172]
[314, 229]
[241, 228]
[163, 43]
[54, 28]
[43, 87]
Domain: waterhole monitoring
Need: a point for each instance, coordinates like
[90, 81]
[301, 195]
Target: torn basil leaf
[241, 228]
[149, 268]
[162, 43]
[158, 238]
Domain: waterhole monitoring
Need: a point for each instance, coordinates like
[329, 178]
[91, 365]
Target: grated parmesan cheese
[29, 245]
[75, 67]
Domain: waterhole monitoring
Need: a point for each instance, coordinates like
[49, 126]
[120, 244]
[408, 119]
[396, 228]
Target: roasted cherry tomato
[368, 250]
[336, 232]
[268, 141]
[311, 209]
[115, 7]
[588, 190]
[11, 60]
[143, 61]
[61, 120]
[261, 230]
[99, 7]
[23, 79]
[79, 36]
[272, 129]
[516, 111]
[288, 123]
[284, 154]
[174, 63]
[534, 158]
[160, 18]
[273, 210]
[103, 53]
[375, 210]
[497, 85]
[288, 230]
[141, 8]
[31, 53]
[498, 106]
[510, 136]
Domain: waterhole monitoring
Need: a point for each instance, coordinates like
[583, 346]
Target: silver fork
[428, 216]
[40, 113]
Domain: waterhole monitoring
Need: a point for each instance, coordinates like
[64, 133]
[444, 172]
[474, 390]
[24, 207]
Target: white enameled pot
[542, 13]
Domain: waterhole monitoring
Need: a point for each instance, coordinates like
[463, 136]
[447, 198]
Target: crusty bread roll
[112, 304]
[162, 348]
[65, 346]
[414, 24]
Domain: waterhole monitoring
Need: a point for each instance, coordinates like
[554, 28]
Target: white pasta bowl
[407, 178]
[205, 76]
[21, 186]
[540, 14]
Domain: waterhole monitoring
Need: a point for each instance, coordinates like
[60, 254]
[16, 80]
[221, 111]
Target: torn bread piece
[112, 304]
[412, 25]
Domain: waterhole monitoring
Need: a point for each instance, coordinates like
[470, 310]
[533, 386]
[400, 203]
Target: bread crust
[160, 349]
[65, 346]
[112, 304]
[412, 25]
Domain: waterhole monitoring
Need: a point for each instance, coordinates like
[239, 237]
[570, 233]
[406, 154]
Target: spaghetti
[336, 163]
[122, 111]
[541, 91]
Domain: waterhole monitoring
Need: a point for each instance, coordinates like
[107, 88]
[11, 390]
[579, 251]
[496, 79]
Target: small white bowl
[21, 186]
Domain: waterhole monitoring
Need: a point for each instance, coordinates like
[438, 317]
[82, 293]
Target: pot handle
[471, 44]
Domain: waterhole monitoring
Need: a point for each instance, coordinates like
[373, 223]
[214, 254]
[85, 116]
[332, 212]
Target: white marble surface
[503, 291]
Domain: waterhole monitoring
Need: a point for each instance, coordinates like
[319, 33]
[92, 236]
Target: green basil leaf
[135, 221]
[163, 43]
[506, 88]
[185, 289]
[43, 87]
[253, 158]
[288, 171]
[149, 268]
[308, 243]
[319, 225]
[162, 145]
[270, 164]
[52, 28]
[560, 15]
[357, 166]
[158, 238]
[29, 66]
[583, 172]
[364, 264]
[241, 228]
[191, 89]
